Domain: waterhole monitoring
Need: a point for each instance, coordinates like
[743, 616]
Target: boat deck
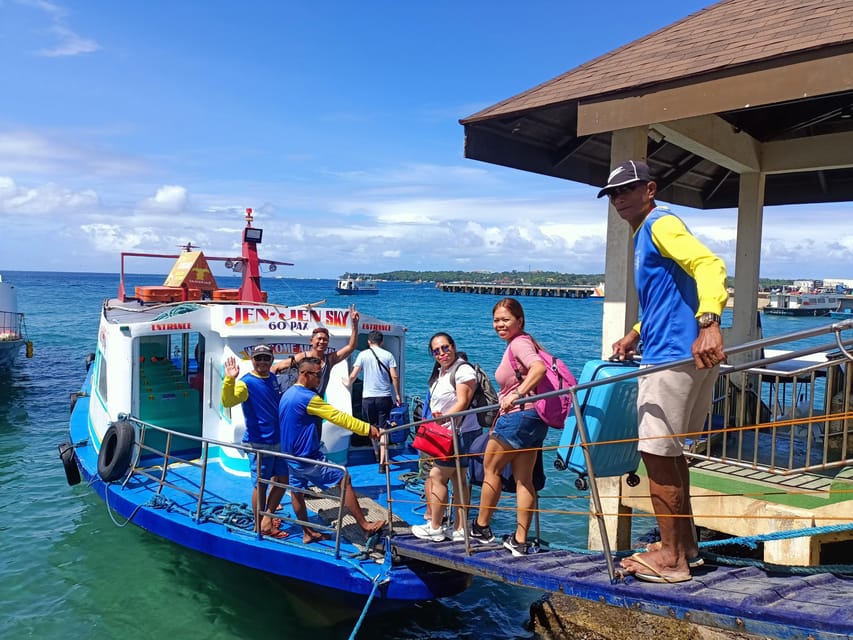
[744, 599]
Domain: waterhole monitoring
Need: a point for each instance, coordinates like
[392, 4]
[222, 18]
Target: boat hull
[169, 513]
[357, 292]
[800, 312]
[9, 351]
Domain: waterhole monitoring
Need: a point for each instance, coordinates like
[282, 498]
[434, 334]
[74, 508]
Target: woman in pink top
[519, 431]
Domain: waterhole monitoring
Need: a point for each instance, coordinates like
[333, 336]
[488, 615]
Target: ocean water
[67, 570]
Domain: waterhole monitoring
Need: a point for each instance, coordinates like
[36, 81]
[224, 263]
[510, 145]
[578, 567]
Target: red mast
[250, 289]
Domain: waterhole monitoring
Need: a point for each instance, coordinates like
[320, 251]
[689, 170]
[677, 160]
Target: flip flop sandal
[655, 575]
[693, 563]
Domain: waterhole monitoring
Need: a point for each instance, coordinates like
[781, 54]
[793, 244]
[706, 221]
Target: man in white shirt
[381, 391]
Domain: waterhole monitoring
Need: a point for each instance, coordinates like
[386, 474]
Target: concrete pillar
[617, 516]
[620, 303]
[748, 258]
[620, 313]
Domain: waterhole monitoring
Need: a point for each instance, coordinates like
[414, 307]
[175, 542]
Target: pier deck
[519, 290]
[742, 599]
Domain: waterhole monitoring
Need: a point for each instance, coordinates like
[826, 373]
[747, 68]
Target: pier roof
[740, 86]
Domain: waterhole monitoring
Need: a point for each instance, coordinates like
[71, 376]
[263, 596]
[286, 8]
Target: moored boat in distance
[13, 333]
[149, 433]
[347, 286]
[801, 303]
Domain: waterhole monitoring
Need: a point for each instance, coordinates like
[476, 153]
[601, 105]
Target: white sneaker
[455, 536]
[426, 532]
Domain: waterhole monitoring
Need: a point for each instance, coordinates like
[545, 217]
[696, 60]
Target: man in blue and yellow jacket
[258, 392]
[682, 290]
[299, 407]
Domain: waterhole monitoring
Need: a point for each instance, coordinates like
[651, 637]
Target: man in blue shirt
[299, 407]
[259, 395]
[682, 290]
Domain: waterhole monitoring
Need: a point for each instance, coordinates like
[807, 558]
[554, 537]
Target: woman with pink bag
[452, 385]
[518, 432]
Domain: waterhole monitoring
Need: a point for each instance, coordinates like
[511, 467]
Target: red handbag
[434, 440]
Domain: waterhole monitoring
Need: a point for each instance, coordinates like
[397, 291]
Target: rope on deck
[752, 541]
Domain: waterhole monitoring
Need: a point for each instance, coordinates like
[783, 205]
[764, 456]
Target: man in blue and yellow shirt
[299, 407]
[682, 290]
[258, 392]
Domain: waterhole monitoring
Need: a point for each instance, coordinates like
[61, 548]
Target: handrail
[205, 444]
[836, 328]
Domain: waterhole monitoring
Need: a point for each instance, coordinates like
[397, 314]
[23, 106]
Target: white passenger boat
[13, 333]
[149, 434]
[798, 303]
[356, 287]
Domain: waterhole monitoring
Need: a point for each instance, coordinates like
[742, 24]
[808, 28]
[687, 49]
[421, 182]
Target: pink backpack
[553, 410]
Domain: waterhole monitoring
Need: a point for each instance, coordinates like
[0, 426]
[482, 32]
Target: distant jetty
[519, 290]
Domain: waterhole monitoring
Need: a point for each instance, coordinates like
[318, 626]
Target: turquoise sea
[67, 571]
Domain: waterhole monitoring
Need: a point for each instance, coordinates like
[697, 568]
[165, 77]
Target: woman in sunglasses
[451, 387]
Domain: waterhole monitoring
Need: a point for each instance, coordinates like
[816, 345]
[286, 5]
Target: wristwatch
[707, 319]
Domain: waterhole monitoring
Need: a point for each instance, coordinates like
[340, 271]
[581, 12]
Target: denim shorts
[521, 429]
[306, 474]
[465, 439]
[271, 466]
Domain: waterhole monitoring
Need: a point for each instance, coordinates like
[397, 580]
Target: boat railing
[11, 326]
[155, 463]
[783, 417]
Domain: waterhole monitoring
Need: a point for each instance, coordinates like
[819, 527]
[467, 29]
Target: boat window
[102, 376]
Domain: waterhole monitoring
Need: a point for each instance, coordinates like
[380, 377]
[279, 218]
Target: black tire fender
[116, 451]
[72, 472]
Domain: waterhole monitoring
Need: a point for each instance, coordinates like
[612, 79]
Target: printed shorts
[670, 404]
[306, 474]
[521, 429]
[271, 466]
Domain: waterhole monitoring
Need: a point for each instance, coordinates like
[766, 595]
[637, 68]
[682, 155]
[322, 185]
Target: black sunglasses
[628, 188]
[262, 358]
[445, 348]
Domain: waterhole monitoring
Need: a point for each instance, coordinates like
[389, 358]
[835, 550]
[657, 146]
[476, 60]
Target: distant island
[534, 278]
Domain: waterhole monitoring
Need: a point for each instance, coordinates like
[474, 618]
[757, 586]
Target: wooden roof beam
[714, 139]
[831, 151]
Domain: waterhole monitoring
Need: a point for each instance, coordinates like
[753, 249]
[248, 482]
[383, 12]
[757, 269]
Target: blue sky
[146, 125]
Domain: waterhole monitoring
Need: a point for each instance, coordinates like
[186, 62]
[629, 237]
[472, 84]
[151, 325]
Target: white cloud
[171, 198]
[112, 238]
[69, 44]
[372, 225]
[49, 198]
[42, 154]
[66, 41]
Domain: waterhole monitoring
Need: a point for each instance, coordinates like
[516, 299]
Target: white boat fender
[116, 449]
[66, 454]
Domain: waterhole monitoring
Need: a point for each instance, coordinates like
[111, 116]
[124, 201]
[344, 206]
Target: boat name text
[289, 319]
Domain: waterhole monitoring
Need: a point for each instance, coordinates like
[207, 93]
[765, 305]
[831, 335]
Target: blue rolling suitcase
[609, 413]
